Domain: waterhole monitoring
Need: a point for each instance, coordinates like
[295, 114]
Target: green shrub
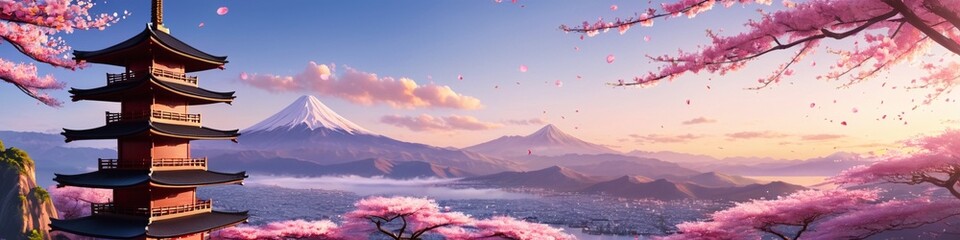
[35, 235]
[40, 194]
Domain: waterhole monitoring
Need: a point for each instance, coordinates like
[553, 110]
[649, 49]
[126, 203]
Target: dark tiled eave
[114, 178]
[115, 92]
[165, 40]
[144, 127]
[123, 227]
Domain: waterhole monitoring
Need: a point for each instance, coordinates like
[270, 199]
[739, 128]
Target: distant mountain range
[259, 163]
[707, 186]
[830, 165]
[554, 178]
[608, 165]
[308, 130]
[548, 141]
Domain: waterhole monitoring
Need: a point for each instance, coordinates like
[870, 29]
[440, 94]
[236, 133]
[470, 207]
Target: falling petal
[579, 77]
[855, 110]
[613, 7]
[222, 11]
[688, 101]
[844, 123]
[460, 76]
[812, 105]
[646, 38]
[610, 58]
[558, 83]
[576, 49]
[201, 25]
[244, 76]
[523, 68]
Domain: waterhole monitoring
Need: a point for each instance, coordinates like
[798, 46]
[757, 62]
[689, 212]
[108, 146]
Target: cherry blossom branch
[937, 8]
[918, 23]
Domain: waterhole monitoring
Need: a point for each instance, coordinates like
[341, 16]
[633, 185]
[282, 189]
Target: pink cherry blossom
[750, 220]
[886, 33]
[74, 202]
[420, 215]
[222, 11]
[611, 58]
[933, 163]
[508, 228]
[293, 229]
[886, 216]
[29, 26]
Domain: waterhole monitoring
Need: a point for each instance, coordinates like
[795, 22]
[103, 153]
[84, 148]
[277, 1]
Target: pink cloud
[699, 120]
[752, 135]
[532, 121]
[426, 122]
[657, 138]
[821, 137]
[364, 88]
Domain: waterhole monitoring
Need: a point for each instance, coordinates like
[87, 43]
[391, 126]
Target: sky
[394, 66]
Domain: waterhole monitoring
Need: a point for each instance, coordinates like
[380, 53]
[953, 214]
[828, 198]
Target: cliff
[25, 208]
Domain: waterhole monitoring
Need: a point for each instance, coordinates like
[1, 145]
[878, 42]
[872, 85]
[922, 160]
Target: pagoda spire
[156, 16]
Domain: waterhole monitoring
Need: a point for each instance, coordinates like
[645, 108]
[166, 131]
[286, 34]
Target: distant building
[154, 179]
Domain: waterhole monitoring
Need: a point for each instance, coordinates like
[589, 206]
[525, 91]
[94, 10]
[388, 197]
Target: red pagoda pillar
[154, 178]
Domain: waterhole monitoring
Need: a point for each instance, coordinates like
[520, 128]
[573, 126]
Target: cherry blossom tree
[786, 217]
[503, 227]
[294, 229]
[937, 162]
[74, 202]
[891, 215]
[398, 218]
[415, 217]
[892, 31]
[30, 26]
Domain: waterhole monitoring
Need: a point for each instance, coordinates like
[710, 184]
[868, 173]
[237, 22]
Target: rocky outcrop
[25, 208]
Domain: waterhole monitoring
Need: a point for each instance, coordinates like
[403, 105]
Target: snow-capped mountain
[309, 111]
[307, 130]
[548, 141]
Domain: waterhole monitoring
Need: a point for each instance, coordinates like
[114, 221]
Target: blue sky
[486, 42]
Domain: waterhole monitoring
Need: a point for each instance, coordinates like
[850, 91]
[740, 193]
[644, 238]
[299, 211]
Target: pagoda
[154, 178]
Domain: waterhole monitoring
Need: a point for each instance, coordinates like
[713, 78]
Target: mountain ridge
[547, 141]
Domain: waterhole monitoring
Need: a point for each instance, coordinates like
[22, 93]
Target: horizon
[511, 58]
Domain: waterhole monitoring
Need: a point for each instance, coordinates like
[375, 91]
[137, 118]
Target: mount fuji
[548, 141]
[310, 131]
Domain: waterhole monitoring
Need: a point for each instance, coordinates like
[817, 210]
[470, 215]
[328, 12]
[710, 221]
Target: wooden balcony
[160, 74]
[157, 164]
[155, 115]
[179, 163]
[156, 213]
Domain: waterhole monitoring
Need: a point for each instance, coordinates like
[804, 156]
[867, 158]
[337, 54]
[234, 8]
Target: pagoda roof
[146, 127]
[118, 91]
[117, 178]
[142, 43]
[126, 227]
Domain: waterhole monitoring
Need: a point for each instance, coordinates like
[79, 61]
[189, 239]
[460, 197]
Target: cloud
[699, 120]
[821, 137]
[658, 138]
[363, 88]
[426, 122]
[752, 135]
[532, 121]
